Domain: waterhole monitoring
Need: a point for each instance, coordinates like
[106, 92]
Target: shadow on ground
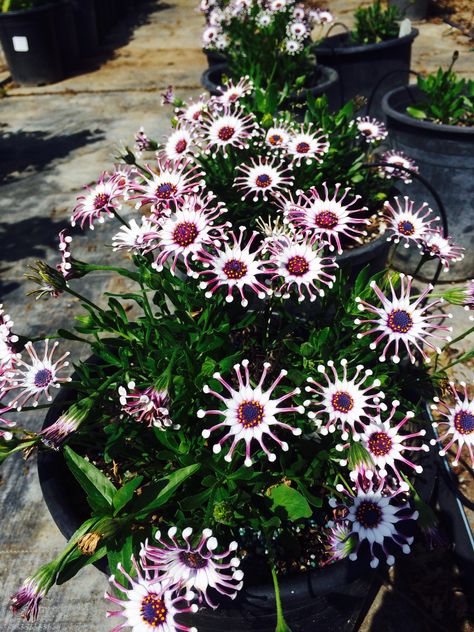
[30, 239]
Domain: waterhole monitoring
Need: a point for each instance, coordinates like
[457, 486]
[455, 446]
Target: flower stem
[281, 625]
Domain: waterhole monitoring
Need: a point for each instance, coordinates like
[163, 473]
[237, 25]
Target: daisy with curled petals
[124, 176]
[147, 405]
[8, 355]
[403, 319]
[35, 379]
[262, 177]
[264, 19]
[250, 413]
[185, 232]
[395, 160]
[233, 266]
[374, 514]
[148, 604]
[193, 112]
[370, 129]
[229, 128]
[101, 199]
[386, 446]
[232, 93]
[136, 238]
[436, 245]
[306, 145]
[292, 45]
[198, 567]
[169, 184]
[328, 219]
[277, 136]
[340, 542]
[457, 427]
[178, 144]
[407, 224]
[297, 30]
[345, 400]
[298, 262]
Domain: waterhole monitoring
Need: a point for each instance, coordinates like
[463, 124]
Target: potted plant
[372, 58]
[271, 44]
[434, 121]
[221, 447]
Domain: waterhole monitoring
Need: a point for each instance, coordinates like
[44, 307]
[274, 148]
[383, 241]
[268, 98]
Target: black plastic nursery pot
[445, 157]
[214, 58]
[326, 82]
[373, 254]
[86, 26]
[367, 69]
[66, 32]
[30, 45]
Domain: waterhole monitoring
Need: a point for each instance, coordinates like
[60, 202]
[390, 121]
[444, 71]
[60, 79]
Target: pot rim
[364, 48]
[410, 121]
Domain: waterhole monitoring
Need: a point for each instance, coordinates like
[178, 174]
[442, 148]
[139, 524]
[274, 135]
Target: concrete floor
[54, 140]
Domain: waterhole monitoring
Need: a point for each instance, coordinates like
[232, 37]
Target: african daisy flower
[142, 142]
[385, 444]
[297, 30]
[346, 401]
[178, 144]
[33, 590]
[262, 177]
[233, 266]
[172, 181]
[264, 19]
[407, 224]
[68, 422]
[298, 262]
[277, 136]
[321, 16]
[306, 145]
[229, 128]
[250, 413]
[136, 238]
[186, 232]
[147, 405]
[340, 542]
[35, 379]
[7, 341]
[329, 219]
[292, 45]
[197, 567]
[436, 245]
[232, 92]
[403, 319]
[374, 514]
[395, 160]
[370, 129]
[210, 35]
[193, 111]
[149, 605]
[101, 199]
[457, 427]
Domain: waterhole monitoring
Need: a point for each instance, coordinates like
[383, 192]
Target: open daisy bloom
[100, 201]
[229, 128]
[305, 146]
[435, 245]
[267, 176]
[408, 225]
[456, 423]
[371, 130]
[397, 164]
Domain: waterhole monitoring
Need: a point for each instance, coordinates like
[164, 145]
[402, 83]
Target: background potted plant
[434, 121]
[372, 58]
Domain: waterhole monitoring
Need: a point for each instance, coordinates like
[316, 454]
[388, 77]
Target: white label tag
[405, 27]
[20, 43]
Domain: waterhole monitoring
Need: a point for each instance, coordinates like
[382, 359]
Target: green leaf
[100, 491]
[125, 493]
[121, 552]
[416, 113]
[294, 503]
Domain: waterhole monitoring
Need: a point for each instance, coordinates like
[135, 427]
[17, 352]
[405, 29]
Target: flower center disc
[380, 443]
[406, 228]
[400, 321]
[303, 147]
[250, 414]
[165, 190]
[367, 131]
[193, 559]
[235, 269]
[42, 378]
[101, 200]
[342, 402]
[368, 514]
[275, 140]
[181, 146]
[153, 610]
[326, 219]
[225, 133]
[464, 422]
[185, 233]
[298, 266]
[233, 96]
[263, 180]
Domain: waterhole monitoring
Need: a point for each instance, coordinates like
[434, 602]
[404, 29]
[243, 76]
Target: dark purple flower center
[225, 133]
[464, 422]
[303, 147]
[275, 139]
[101, 200]
[181, 146]
[185, 233]
[326, 219]
[297, 266]
[406, 228]
[367, 131]
[250, 414]
[193, 559]
[400, 321]
[153, 610]
[235, 269]
[42, 378]
[342, 402]
[380, 443]
[233, 96]
[263, 180]
[165, 191]
[368, 514]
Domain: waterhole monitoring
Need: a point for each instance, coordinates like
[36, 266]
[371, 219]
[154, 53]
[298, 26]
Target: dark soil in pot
[445, 156]
[362, 67]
